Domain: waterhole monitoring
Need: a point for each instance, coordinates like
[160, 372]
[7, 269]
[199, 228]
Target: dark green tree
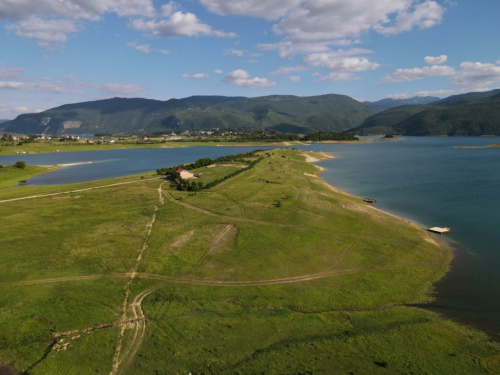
[20, 164]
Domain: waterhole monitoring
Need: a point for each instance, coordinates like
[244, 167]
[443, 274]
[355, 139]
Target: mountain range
[284, 113]
[471, 114]
[474, 113]
[382, 105]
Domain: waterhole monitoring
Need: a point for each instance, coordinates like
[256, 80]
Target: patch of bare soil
[223, 238]
[181, 241]
[6, 370]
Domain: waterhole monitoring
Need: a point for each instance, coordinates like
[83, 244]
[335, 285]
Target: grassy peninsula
[271, 271]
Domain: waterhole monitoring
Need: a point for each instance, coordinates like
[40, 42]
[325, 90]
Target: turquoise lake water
[420, 178]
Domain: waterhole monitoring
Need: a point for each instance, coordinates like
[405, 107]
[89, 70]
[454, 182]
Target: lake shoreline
[439, 290]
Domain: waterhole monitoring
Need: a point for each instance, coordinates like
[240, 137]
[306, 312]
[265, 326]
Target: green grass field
[271, 272]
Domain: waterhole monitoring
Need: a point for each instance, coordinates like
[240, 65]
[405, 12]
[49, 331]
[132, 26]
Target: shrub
[20, 164]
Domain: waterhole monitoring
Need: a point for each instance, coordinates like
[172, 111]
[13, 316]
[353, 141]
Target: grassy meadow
[272, 271]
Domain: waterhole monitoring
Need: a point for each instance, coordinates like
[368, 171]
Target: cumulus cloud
[431, 60]
[178, 24]
[423, 16]
[342, 64]
[289, 69]
[295, 78]
[195, 76]
[318, 20]
[270, 10]
[473, 75]
[146, 48]
[218, 71]
[51, 21]
[18, 10]
[47, 32]
[476, 74]
[413, 74]
[242, 78]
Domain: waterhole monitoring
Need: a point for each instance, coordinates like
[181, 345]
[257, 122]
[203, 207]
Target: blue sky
[55, 52]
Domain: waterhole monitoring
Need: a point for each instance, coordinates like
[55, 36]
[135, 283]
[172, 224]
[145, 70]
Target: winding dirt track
[118, 358]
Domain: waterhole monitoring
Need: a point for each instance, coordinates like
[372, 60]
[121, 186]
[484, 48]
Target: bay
[117, 163]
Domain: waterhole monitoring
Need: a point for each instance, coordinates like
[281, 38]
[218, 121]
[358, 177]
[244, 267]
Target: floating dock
[439, 230]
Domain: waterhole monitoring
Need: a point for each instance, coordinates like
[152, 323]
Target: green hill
[471, 115]
[479, 117]
[384, 122]
[128, 116]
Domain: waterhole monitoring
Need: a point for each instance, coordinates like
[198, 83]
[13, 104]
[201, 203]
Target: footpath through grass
[271, 271]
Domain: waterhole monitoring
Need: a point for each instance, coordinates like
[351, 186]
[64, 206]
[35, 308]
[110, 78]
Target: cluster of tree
[263, 136]
[203, 162]
[328, 136]
[185, 185]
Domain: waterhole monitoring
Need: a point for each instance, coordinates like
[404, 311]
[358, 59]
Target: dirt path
[118, 358]
[76, 190]
[138, 323]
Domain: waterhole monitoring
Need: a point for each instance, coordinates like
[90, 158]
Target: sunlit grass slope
[273, 271]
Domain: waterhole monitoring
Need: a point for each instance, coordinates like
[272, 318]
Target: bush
[20, 164]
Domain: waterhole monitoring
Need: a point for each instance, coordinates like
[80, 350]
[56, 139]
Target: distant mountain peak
[383, 104]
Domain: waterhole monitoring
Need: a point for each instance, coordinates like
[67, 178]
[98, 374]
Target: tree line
[186, 185]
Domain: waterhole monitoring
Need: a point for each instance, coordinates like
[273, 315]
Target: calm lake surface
[419, 178]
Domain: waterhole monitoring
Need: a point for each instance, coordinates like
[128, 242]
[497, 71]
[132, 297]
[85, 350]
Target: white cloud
[75, 85]
[195, 76]
[431, 60]
[218, 71]
[252, 61]
[178, 24]
[288, 49]
[413, 74]
[242, 78]
[473, 75]
[51, 21]
[342, 64]
[423, 16]
[47, 32]
[13, 85]
[234, 52]
[270, 10]
[11, 72]
[21, 109]
[295, 78]
[288, 69]
[477, 75]
[17, 10]
[147, 49]
[318, 20]
[339, 76]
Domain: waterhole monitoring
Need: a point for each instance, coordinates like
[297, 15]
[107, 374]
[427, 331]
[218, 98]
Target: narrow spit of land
[272, 271]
